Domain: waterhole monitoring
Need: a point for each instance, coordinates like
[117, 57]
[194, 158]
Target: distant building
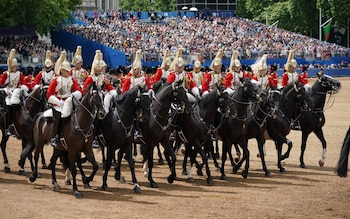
[208, 5]
[99, 4]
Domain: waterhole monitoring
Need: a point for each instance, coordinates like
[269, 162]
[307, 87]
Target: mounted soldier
[14, 84]
[45, 76]
[78, 72]
[214, 77]
[60, 93]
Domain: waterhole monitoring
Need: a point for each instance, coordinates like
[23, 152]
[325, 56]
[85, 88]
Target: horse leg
[149, 157]
[131, 162]
[184, 165]
[245, 158]
[238, 152]
[278, 145]
[342, 166]
[117, 166]
[72, 160]
[79, 162]
[160, 160]
[210, 148]
[304, 138]
[261, 146]
[53, 161]
[108, 163]
[205, 162]
[43, 161]
[38, 150]
[217, 153]
[319, 134]
[225, 147]
[91, 158]
[4, 140]
[290, 145]
[169, 153]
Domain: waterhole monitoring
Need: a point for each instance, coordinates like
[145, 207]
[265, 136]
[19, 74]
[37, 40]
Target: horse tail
[342, 167]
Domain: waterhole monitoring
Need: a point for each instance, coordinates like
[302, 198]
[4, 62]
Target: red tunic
[52, 88]
[89, 80]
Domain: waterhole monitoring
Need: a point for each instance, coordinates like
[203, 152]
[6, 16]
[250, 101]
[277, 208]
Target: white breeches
[108, 98]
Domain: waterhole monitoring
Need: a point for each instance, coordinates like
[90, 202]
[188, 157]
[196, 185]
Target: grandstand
[120, 35]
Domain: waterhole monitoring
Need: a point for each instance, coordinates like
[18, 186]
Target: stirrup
[8, 132]
[95, 144]
[138, 135]
[212, 137]
[54, 142]
[172, 137]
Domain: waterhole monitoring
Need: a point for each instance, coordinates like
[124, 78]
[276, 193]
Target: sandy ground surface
[314, 192]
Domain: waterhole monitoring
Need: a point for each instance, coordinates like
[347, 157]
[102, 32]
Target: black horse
[293, 97]
[313, 120]
[157, 130]
[23, 122]
[207, 116]
[233, 130]
[76, 137]
[257, 120]
[117, 129]
[342, 166]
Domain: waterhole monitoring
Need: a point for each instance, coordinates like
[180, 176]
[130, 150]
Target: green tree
[147, 5]
[44, 14]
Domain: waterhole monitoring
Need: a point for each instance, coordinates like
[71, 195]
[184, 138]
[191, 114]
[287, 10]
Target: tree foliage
[44, 14]
[296, 15]
[147, 5]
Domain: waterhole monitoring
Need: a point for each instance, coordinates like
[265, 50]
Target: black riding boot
[56, 124]
[9, 122]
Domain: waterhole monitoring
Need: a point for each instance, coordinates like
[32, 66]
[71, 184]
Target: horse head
[96, 101]
[143, 102]
[226, 105]
[179, 96]
[328, 84]
[296, 93]
[272, 100]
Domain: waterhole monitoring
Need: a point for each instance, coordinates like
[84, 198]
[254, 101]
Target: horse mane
[122, 97]
[88, 88]
[205, 100]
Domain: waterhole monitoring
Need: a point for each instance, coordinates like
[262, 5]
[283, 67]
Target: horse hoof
[234, 170]
[199, 173]
[117, 177]
[184, 172]
[137, 189]
[7, 169]
[244, 174]
[160, 162]
[217, 155]
[223, 178]
[190, 179]
[237, 159]
[21, 172]
[170, 179]
[210, 181]
[154, 185]
[282, 170]
[321, 163]
[44, 167]
[56, 187]
[268, 174]
[68, 182]
[87, 186]
[122, 179]
[302, 165]
[78, 194]
[32, 178]
[104, 188]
